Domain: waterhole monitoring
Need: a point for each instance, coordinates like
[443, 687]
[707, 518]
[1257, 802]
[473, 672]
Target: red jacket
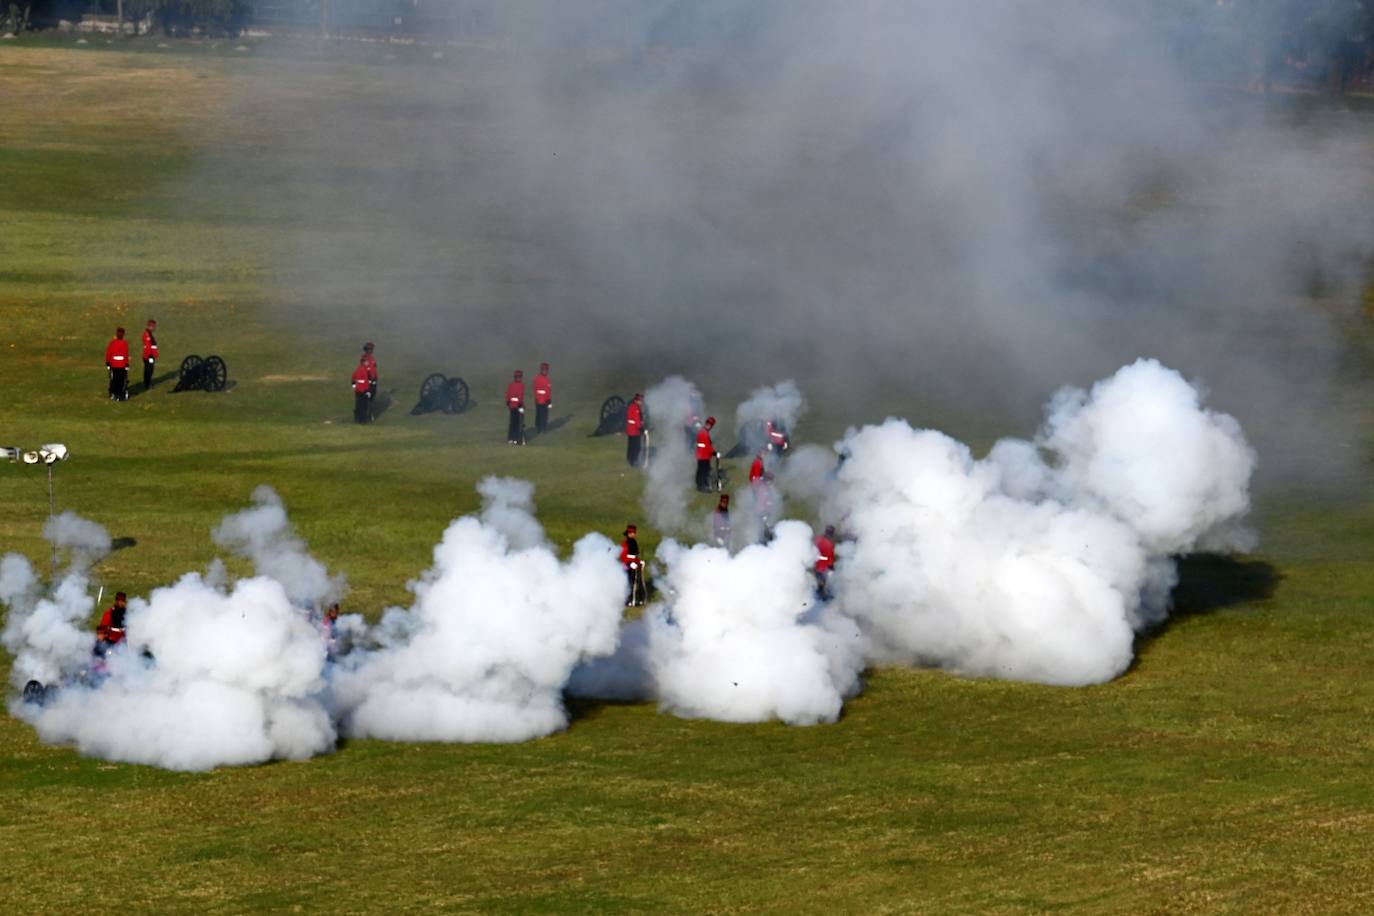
[756, 472]
[776, 437]
[117, 354]
[629, 552]
[111, 627]
[705, 450]
[149, 345]
[543, 391]
[371, 365]
[634, 419]
[825, 553]
[361, 382]
[515, 395]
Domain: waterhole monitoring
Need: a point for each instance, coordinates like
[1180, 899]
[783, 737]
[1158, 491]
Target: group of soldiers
[364, 384]
[117, 361]
[515, 404]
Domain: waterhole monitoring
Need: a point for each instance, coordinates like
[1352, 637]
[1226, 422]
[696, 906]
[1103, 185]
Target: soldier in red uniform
[149, 353]
[634, 567]
[760, 486]
[515, 401]
[543, 398]
[825, 561]
[362, 392]
[706, 451]
[720, 521]
[371, 363]
[110, 631]
[117, 361]
[634, 429]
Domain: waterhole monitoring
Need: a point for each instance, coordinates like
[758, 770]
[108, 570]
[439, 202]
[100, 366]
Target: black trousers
[148, 373]
[119, 384]
[704, 474]
[362, 407]
[632, 444]
[541, 417]
[515, 431]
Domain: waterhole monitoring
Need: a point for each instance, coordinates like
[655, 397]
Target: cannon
[752, 437]
[612, 416]
[439, 392]
[196, 374]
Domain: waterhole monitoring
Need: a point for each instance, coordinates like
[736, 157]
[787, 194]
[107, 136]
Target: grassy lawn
[1227, 771]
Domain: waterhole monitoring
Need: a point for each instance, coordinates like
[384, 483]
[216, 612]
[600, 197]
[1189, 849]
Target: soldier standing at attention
[634, 567]
[543, 398]
[117, 362]
[515, 402]
[706, 450]
[149, 353]
[634, 430]
[362, 392]
[371, 365]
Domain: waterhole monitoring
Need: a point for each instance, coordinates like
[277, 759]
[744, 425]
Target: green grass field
[1227, 771]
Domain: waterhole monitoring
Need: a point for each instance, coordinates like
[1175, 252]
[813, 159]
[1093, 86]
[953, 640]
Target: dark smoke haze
[967, 204]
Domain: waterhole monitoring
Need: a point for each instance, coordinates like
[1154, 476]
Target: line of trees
[1269, 41]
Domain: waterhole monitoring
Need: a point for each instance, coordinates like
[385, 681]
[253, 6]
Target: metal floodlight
[30, 457]
[53, 452]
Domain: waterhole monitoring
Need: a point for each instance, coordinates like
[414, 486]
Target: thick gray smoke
[967, 203]
[674, 408]
[781, 403]
[498, 624]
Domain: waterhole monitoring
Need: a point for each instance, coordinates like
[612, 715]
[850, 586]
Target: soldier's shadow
[136, 388]
[554, 426]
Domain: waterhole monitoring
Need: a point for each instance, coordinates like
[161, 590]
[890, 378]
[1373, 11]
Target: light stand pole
[49, 454]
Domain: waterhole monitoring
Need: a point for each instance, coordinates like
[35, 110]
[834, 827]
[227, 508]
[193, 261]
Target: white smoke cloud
[1026, 568]
[211, 673]
[498, 624]
[672, 404]
[738, 638]
[45, 634]
[231, 677]
[264, 535]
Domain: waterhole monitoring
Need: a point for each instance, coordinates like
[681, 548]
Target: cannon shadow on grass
[1209, 583]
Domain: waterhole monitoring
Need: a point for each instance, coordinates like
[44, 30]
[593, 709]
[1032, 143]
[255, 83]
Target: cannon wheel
[34, 692]
[214, 374]
[456, 399]
[752, 437]
[611, 406]
[429, 388]
[186, 376]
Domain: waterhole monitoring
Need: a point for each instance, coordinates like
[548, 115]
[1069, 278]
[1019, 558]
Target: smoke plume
[675, 408]
[737, 638]
[497, 626]
[264, 535]
[1042, 561]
